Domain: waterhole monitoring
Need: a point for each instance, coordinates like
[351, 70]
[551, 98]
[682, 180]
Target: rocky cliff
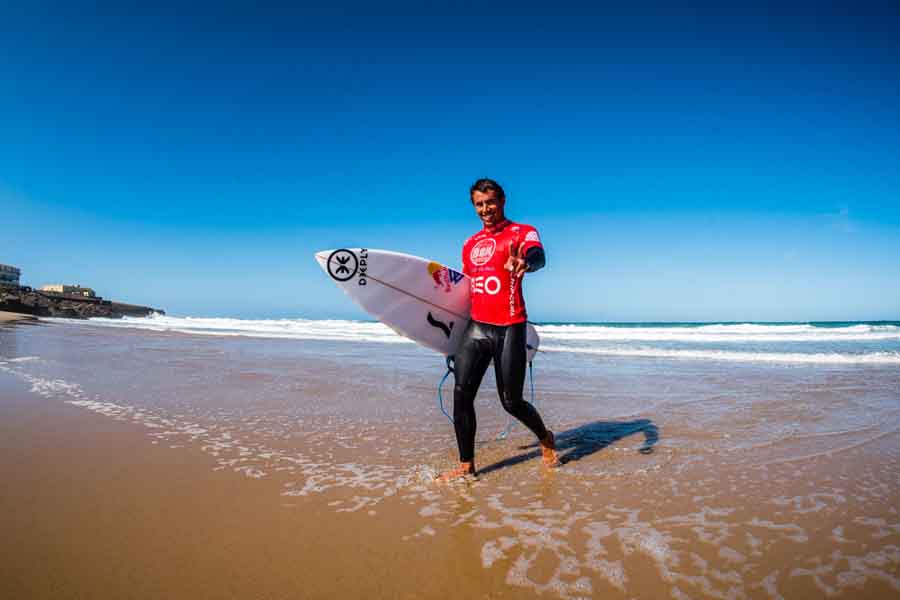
[47, 305]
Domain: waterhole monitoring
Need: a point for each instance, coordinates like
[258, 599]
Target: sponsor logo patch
[363, 266]
[532, 236]
[342, 264]
[447, 329]
[444, 277]
[486, 285]
[482, 251]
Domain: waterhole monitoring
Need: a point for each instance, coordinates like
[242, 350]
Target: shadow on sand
[575, 444]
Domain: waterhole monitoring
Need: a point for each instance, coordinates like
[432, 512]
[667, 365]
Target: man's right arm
[465, 265]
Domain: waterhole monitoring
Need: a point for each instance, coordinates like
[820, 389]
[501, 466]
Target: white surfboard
[420, 299]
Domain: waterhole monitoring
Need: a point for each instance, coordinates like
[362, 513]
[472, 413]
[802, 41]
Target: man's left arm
[526, 256]
[534, 251]
[535, 258]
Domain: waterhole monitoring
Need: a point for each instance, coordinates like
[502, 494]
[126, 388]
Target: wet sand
[191, 467]
[92, 509]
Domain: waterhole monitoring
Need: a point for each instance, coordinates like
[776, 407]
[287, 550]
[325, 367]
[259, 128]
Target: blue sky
[702, 165]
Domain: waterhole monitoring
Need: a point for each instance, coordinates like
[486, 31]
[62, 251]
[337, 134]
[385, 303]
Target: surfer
[496, 259]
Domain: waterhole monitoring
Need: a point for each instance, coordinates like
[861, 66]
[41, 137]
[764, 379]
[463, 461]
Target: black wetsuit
[505, 345]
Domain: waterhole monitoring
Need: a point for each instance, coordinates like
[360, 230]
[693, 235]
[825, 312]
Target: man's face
[488, 207]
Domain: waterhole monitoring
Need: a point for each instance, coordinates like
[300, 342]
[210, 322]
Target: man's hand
[516, 261]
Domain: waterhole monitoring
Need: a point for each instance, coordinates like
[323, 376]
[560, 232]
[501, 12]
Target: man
[495, 259]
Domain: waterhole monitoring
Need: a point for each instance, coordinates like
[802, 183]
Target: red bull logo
[444, 277]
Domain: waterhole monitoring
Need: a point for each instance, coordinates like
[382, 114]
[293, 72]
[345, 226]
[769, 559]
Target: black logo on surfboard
[440, 325]
[342, 264]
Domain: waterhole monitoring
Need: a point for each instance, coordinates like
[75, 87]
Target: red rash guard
[496, 294]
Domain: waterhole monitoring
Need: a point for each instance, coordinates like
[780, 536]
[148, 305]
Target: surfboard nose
[322, 257]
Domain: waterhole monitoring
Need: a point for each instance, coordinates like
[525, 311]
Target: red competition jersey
[496, 294]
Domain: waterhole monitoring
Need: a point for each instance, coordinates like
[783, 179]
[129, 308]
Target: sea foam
[872, 358]
[789, 343]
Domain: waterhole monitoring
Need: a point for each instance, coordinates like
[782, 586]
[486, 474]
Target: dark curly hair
[487, 185]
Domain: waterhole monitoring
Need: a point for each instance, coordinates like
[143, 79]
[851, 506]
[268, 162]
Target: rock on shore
[45, 305]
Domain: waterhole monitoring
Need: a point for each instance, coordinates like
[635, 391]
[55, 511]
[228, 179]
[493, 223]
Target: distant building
[71, 290]
[9, 276]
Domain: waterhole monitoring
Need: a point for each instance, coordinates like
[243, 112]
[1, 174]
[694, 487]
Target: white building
[72, 290]
[9, 275]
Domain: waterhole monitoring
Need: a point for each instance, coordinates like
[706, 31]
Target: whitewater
[873, 343]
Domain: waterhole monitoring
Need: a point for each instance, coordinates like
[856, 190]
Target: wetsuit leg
[510, 361]
[471, 362]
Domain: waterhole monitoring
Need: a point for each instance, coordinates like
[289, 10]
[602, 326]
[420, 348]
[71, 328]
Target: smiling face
[488, 207]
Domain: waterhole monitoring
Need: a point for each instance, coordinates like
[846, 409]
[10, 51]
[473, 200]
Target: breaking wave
[806, 343]
[737, 333]
[297, 329]
[836, 358]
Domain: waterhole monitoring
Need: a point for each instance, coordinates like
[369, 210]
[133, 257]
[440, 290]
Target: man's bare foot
[464, 468]
[548, 451]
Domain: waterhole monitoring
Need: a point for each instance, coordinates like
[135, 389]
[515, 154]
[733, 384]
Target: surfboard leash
[441, 387]
[509, 420]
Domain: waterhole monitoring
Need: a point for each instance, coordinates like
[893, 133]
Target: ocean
[852, 342]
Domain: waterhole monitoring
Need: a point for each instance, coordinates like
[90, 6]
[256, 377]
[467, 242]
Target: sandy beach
[10, 317]
[215, 467]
